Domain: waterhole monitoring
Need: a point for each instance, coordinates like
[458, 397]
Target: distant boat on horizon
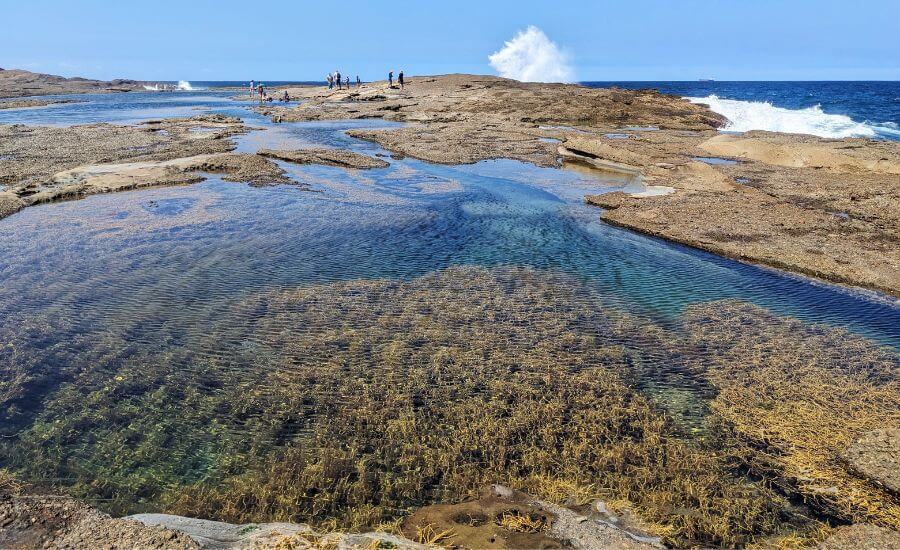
[707, 80]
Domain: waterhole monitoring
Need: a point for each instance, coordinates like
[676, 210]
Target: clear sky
[300, 40]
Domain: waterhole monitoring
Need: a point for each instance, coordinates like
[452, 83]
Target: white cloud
[532, 57]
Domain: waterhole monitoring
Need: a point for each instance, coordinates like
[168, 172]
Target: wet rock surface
[19, 83]
[329, 157]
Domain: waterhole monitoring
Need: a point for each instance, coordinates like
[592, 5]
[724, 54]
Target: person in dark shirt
[400, 79]
[391, 79]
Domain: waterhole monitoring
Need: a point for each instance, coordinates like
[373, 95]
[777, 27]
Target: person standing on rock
[252, 88]
[391, 79]
[347, 83]
[358, 82]
[337, 77]
[400, 78]
[330, 80]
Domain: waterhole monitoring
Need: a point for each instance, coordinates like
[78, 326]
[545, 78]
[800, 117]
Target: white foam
[184, 85]
[744, 116]
[532, 57]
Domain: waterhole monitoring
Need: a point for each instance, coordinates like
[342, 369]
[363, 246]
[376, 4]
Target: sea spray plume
[532, 57]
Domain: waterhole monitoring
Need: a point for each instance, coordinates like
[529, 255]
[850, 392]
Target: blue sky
[299, 40]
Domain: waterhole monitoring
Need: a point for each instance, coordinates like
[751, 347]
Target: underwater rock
[862, 537]
[792, 398]
[876, 456]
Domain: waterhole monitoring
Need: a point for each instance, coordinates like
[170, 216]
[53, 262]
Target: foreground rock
[19, 83]
[329, 157]
[507, 519]
[259, 536]
[29, 520]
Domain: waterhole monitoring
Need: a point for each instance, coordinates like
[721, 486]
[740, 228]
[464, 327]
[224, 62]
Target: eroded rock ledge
[329, 157]
[825, 208]
[45, 164]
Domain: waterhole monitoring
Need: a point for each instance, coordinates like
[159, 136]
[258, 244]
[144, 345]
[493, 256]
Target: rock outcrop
[19, 83]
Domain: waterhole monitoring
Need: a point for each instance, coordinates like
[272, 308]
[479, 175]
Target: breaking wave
[532, 57]
[744, 116]
[184, 85]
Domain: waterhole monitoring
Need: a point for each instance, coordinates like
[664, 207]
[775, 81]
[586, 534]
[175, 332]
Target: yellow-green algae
[354, 402]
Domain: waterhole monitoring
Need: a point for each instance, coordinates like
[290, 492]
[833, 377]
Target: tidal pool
[173, 348]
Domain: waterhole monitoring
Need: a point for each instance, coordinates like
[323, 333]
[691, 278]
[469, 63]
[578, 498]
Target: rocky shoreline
[19, 83]
[45, 164]
[825, 208]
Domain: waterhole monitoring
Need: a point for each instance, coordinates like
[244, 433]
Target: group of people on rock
[399, 79]
[259, 89]
[334, 81]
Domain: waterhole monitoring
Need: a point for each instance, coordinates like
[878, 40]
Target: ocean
[827, 109]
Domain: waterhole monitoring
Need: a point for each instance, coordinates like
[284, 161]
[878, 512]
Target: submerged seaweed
[353, 403]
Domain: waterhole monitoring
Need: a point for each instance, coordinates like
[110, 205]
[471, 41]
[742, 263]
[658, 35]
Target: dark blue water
[825, 109]
[874, 102]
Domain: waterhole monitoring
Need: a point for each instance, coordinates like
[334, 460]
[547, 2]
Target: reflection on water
[179, 335]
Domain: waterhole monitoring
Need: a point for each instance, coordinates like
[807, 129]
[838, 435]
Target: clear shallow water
[151, 277]
[401, 221]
